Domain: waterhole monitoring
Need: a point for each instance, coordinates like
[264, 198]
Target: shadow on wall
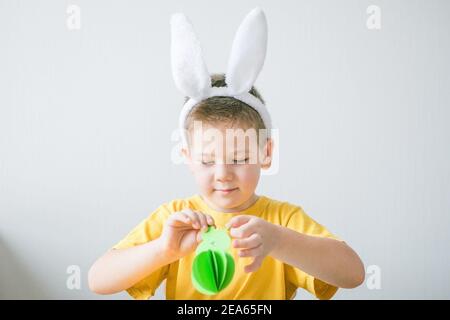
[16, 279]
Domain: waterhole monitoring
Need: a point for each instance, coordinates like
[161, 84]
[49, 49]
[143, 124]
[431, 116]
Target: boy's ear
[187, 157]
[266, 159]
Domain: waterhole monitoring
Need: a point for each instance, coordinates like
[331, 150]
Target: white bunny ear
[248, 53]
[189, 70]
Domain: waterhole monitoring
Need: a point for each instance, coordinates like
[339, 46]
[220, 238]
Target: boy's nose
[223, 172]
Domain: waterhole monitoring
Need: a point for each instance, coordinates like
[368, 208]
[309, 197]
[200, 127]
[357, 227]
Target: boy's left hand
[255, 236]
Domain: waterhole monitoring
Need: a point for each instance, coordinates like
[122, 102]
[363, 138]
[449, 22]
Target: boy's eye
[243, 161]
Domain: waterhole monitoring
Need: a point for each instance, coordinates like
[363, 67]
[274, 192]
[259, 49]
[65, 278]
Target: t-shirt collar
[255, 209]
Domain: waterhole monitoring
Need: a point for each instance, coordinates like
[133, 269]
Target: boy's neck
[242, 207]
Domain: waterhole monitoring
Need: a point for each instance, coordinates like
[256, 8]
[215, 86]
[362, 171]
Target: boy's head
[221, 123]
[227, 146]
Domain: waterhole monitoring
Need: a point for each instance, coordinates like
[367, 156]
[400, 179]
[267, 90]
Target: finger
[199, 236]
[210, 220]
[255, 265]
[251, 242]
[194, 218]
[202, 218]
[184, 217]
[244, 231]
[179, 217]
[238, 221]
[253, 252]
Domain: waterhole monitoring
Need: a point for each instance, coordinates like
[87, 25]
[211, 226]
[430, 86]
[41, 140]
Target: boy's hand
[182, 232]
[257, 238]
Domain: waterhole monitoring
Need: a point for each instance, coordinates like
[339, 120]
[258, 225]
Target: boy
[276, 246]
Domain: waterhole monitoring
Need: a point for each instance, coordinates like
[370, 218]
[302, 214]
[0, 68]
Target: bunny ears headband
[246, 60]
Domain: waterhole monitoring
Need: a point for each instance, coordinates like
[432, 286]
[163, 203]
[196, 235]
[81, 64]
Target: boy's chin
[227, 201]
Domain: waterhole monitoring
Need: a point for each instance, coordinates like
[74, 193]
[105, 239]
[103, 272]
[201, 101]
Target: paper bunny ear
[189, 70]
[248, 53]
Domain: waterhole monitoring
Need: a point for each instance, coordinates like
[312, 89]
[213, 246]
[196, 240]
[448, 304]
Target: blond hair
[228, 110]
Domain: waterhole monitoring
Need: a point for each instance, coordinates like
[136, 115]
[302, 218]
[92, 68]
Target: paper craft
[213, 267]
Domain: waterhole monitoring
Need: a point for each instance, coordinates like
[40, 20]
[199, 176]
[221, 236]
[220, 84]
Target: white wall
[86, 118]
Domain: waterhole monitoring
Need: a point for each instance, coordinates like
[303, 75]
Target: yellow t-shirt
[274, 280]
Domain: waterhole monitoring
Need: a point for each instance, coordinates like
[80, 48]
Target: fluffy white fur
[246, 60]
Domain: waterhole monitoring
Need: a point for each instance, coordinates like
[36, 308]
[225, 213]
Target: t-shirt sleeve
[148, 230]
[296, 278]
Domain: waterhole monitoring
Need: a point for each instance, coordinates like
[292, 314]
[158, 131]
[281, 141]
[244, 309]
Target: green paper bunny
[213, 267]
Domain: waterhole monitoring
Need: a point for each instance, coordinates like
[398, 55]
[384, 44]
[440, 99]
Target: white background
[86, 118]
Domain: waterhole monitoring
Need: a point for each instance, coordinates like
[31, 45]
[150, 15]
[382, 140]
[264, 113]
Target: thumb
[237, 221]
[199, 236]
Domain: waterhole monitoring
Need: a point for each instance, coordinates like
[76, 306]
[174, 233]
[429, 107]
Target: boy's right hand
[182, 232]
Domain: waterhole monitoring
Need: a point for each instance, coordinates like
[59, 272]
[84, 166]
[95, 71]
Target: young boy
[276, 246]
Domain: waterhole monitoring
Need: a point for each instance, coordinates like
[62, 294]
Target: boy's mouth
[225, 191]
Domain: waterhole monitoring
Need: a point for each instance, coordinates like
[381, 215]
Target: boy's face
[226, 163]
